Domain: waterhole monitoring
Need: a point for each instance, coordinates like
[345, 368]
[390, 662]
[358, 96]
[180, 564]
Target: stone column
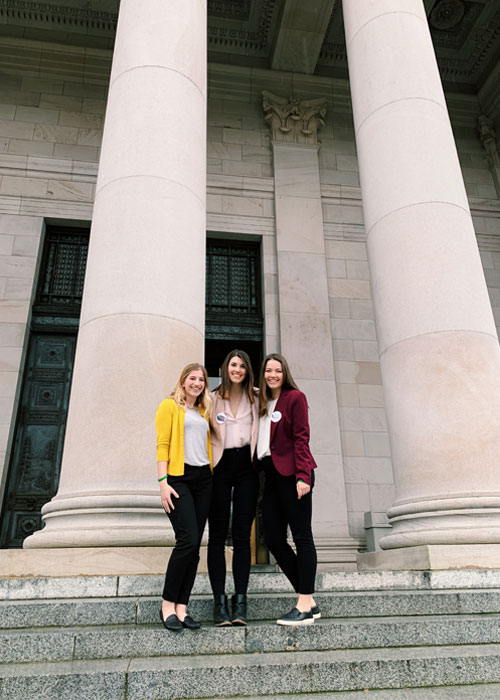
[306, 338]
[439, 351]
[143, 310]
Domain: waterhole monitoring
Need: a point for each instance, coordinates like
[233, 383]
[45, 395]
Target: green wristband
[163, 477]
[301, 480]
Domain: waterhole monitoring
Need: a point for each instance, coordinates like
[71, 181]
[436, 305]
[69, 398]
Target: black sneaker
[316, 612]
[295, 617]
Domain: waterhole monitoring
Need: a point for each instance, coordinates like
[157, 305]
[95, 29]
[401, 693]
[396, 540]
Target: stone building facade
[323, 135]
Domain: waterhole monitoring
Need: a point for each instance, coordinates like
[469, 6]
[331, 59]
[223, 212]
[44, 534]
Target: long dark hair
[225, 385]
[288, 381]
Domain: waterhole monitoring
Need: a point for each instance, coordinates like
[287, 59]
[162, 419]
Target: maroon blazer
[290, 436]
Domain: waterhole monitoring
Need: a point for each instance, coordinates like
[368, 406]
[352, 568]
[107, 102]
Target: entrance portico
[369, 256]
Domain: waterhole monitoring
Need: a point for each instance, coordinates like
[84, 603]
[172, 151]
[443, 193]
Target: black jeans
[282, 508]
[234, 477]
[188, 521]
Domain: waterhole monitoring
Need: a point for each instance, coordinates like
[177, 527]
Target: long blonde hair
[204, 400]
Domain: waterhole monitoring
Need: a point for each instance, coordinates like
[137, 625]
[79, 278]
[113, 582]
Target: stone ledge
[432, 558]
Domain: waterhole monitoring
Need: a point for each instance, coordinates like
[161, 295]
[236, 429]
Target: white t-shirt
[195, 438]
[264, 439]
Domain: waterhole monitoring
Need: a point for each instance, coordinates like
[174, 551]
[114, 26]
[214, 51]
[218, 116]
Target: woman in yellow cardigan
[184, 458]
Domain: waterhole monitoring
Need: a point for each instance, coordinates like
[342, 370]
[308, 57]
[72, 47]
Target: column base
[429, 557]
[92, 561]
[336, 553]
[86, 561]
[102, 520]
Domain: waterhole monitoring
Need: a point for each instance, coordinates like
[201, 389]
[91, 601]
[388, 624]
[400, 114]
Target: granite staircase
[383, 635]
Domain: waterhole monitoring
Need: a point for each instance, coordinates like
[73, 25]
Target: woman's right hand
[167, 494]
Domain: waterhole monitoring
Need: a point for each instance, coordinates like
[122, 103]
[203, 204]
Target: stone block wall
[52, 104]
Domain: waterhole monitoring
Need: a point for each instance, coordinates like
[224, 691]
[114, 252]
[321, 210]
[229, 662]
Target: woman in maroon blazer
[283, 452]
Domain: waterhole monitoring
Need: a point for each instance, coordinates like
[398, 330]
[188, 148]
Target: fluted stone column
[305, 330]
[439, 351]
[143, 309]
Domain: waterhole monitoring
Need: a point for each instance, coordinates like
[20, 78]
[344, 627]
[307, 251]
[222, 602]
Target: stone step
[180, 677]
[26, 588]
[130, 641]
[17, 614]
[489, 691]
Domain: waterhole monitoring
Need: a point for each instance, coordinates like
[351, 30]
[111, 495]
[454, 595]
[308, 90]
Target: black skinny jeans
[234, 477]
[188, 521]
[282, 508]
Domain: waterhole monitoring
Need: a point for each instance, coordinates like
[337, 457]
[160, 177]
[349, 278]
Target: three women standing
[234, 427]
[280, 437]
[184, 456]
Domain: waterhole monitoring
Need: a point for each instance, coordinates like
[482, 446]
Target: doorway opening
[233, 320]
[34, 467]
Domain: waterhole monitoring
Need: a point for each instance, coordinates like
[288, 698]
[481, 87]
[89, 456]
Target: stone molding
[447, 14]
[58, 16]
[92, 67]
[254, 32]
[488, 138]
[230, 9]
[337, 553]
[292, 120]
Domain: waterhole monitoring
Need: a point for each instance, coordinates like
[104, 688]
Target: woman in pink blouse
[234, 428]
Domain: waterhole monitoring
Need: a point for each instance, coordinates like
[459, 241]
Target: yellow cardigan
[169, 423]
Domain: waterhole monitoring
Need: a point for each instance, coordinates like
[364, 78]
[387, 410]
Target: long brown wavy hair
[288, 381]
[179, 395]
[225, 385]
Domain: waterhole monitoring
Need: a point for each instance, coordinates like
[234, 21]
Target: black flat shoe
[190, 624]
[295, 618]
[172, 622]
[316, 612]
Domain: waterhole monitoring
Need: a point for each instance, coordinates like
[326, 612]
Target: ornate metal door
[233, 311]
[39, 434]
[233, 305]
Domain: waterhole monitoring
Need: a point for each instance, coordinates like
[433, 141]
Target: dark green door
[37, 446]
[40, 435]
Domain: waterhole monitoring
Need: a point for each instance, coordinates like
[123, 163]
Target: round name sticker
[220, 418]
[276, 416]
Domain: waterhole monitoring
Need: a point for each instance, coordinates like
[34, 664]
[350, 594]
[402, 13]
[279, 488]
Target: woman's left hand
[302, 489]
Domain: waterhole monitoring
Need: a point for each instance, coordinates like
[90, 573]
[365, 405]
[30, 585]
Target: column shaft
[143, 309]
[438, 347]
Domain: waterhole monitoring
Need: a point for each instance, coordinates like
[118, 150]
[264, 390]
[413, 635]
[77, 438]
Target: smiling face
[237, 370]
[193, 385]
[273, 375]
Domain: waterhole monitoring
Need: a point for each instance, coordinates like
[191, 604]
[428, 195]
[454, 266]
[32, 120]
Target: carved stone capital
[488, 139]
[292, 120]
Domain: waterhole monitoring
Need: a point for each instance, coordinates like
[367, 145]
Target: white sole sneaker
[288, 623]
